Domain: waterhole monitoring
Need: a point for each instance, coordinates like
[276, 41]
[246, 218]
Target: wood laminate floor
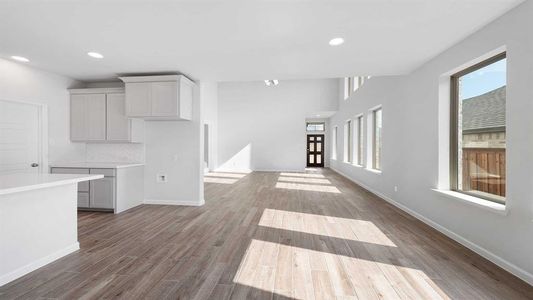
[268, 236]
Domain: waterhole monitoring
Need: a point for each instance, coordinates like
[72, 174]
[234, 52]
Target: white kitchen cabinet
[102, 193]
[83, 199]
[137, 105]
[99, 115]
[121, 188]
[88, 117]
[167, 97]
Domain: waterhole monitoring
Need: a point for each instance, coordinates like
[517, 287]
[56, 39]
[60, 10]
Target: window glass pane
[318, 138]
[319, 147]
[360, 141]
[377, 138]
[334, 143]
[482, 131]
[311, 146]
[311, 159]
[319, 159]
[315, 126]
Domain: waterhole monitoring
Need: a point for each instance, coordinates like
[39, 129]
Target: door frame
[323, 136]
[42, 129]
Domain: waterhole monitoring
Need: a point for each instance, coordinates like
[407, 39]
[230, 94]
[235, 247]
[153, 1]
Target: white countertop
[96, 165]
[21, 182]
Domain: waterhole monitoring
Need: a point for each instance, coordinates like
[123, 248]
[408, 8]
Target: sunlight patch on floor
[341, 228]
[302, 273]
[223, 174]
[302, 175]
[220, 180]
[305, 180]
[307, 187]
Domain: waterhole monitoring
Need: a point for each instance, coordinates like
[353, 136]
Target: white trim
[502, 263]
[111, 90]
[375, 171]
[38, 263]
[475, 201]
[174, 202]
[374, 108]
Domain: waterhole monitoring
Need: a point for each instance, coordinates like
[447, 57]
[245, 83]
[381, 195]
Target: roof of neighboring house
[485, 111]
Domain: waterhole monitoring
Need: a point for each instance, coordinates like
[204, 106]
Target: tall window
[376, 138]
[334, 144]
[348, 141]
[359, 137]
[347, 88]
[478, 130]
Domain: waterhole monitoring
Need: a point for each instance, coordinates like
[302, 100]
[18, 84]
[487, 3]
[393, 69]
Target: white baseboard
[6, 278]
[175, 202]
[502, 263]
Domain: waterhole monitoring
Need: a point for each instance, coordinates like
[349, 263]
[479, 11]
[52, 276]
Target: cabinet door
[138, 102]
[78, 130]
[83, 200]
[185, 99]
[95, 117]
[118, 125]
[164, 99]
[102, 194]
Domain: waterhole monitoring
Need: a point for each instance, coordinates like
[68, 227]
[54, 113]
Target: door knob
[34, 165]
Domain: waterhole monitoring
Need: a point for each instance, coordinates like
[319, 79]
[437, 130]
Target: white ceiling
[238, 40]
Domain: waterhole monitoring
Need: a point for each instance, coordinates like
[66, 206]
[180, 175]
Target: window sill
[373, 171]
[475, 201]
[357, 165]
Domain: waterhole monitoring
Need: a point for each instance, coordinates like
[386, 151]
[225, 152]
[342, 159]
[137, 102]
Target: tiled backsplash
[115, 152]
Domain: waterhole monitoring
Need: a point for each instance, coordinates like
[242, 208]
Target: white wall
[415, 144]
[175, 149]
[263, 128]
[22, 83]
[209, 92]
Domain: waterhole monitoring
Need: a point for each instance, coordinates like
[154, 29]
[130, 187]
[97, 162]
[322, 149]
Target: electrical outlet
[162, 178]
[395, 188]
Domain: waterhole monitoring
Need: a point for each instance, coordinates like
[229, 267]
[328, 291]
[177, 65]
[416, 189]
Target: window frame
[334, 143]
[348, 142]
[315, 123]
[374, 139]
[347, 87]
[360, 140]
[454, 126]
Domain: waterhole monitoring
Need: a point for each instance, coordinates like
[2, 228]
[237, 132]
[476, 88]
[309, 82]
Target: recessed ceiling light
[20, 58]
[336, 41]
[95, 55]
[269, 82]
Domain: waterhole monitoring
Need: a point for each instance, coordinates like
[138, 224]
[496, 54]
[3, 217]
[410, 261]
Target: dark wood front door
[315, 150]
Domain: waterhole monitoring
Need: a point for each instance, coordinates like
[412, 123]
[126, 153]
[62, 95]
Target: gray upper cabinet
[99, 115]
[88, 117]
[167, 97]
[137, 106]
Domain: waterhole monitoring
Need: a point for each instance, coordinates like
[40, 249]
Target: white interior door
[20, 138]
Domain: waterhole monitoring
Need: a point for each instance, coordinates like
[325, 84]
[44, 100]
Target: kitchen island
[38, 220]
[121, 188]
